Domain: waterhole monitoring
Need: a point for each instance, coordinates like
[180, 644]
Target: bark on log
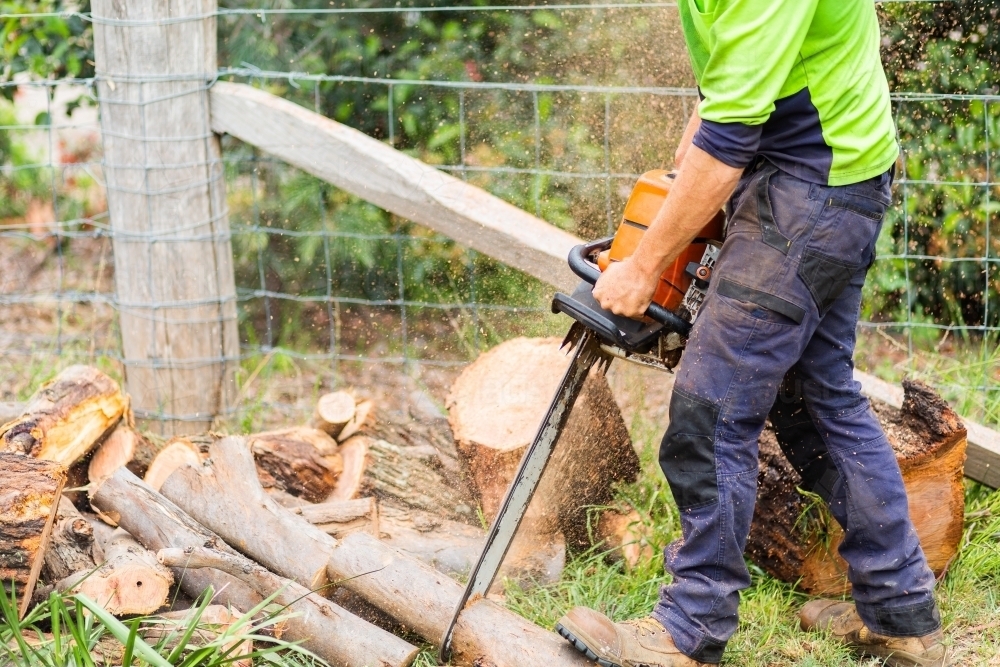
[158, 524]
[29, 497]
[354, 461]
[929, 440]
[129, 581]
[324, 628]
[71, 545]
[342, 517]
[495, 407]
[124, 447]
[413, 593]
[301, 461]
[177, 453]
[66, 417]
[333, 412]
[363, 412]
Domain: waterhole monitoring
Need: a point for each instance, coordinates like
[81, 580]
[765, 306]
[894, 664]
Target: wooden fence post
[166, 195]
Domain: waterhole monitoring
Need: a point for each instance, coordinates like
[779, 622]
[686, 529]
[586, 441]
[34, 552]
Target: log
[342, 517]
[333, 412]
[354, 460]
[129, 581]
[495, 407]
[70, 546]
[301, 461]
[157, 523]
[322, 627]
[419, 597]
[29, 498]
[363, 411]
[396, 182]
[796, 541]
[167, 629]
[66, 417]
[124, 447]
[176, 453]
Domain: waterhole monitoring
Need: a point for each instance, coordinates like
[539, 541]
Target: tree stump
[29, 496]
[495, 408]
[796, 541]
[67, 416]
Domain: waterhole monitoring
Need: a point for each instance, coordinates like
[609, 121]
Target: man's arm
[702, 187]
[694, 122]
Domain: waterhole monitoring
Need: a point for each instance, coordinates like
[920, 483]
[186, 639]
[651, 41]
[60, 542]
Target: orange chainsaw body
[643, 204]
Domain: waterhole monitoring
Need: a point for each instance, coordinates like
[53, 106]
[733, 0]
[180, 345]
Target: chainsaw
[596, 337]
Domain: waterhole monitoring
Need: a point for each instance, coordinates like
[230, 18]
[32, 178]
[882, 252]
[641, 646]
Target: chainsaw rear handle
[581, 265]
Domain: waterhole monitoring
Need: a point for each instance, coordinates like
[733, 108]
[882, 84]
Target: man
[794, 131]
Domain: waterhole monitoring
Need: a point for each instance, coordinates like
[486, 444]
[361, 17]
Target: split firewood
[333, 412]
[124, 447]
[169, 628]
[354, 460]
[301, 461]
[363, 412]
[796, 540]
[157, 523]
[416, 595]
[71, 544]
[176, 453]
[625, 535]
[30, 491]
[495, 408]
[321, 626]
[342, 517]
[129, 580]
[66, 417]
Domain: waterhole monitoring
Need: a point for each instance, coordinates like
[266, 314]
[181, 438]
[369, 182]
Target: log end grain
[333, 412]
[177, 453]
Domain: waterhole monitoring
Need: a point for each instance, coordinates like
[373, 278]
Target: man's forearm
[694, 122]
[702, 187]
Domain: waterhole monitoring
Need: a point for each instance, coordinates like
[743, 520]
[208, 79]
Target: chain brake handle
[581, 264]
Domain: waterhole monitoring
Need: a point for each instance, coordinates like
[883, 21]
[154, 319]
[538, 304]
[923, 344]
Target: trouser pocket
[826, 277]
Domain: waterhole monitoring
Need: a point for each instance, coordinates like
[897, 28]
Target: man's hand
[625, 289]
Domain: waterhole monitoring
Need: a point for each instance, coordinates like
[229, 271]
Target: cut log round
[322, 627]
[176, 453]
[66, 417]
[354, 459]
[157, 523]
[29, 498]
[495, 408]
[124, 447]
[129, 581]
[301, 461]
[333, 412]
[71, 545]
[929, 440]
[363, 412]
[415, 594]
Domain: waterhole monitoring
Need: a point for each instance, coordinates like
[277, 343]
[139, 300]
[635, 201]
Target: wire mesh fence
[326, 277]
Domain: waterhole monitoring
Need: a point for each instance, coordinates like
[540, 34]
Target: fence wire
[378, 290]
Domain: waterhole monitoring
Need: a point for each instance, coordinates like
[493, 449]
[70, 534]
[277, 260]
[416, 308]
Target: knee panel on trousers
[687, 453]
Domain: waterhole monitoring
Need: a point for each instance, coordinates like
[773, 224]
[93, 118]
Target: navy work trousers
[775, 338]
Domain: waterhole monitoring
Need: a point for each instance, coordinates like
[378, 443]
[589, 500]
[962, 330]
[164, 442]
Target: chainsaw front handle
[581, 264]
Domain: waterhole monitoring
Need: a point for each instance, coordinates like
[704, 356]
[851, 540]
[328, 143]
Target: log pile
[364, 521]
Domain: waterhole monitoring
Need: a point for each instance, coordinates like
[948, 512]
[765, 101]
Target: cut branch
[333, 412]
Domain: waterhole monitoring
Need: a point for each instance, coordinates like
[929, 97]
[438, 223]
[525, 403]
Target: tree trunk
[159, 524]
[333, 412]
[178, 452]
[66, 417]
[415, 594]
[304, 462]
[323, 627]
[796, 541]
[124, 447]
[495, 408]
[71, 545]
[129, 580]
[29, 497]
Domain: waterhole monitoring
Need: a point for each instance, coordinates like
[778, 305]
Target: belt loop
[765, 214]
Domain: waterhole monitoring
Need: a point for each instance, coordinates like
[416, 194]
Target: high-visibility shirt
[797, 81]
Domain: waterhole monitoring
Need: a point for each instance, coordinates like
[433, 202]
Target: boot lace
[645, 626]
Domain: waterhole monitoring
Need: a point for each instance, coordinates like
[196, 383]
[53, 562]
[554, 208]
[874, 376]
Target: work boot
[643, 642]
[842, 621]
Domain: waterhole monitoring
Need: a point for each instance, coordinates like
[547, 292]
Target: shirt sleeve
[753, 46]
